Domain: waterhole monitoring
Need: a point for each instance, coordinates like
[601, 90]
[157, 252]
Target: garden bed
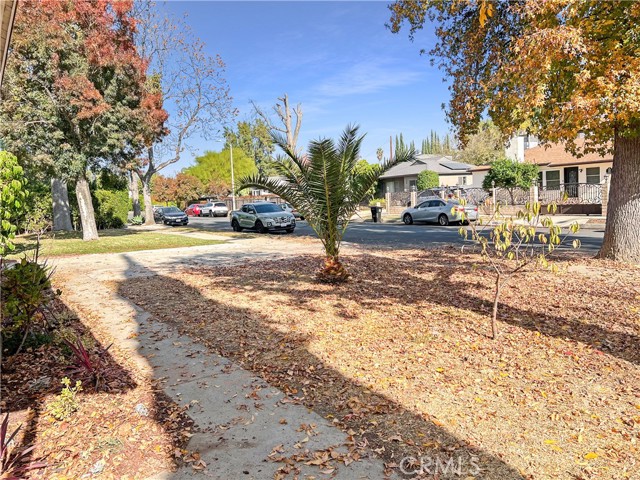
[123, 428]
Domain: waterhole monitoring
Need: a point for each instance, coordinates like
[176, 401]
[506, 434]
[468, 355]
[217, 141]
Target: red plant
[14, 464]
[84, 362]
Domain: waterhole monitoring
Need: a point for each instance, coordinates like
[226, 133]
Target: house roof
[441, 164]
[555, 155]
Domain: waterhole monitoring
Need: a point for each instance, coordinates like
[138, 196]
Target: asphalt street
[398, 236]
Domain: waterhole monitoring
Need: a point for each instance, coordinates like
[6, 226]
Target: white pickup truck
[263, 217]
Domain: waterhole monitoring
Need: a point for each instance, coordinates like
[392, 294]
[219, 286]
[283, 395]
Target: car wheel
[211, 213]
[443, 220]
[236, 226]
[407, 219]
[260, 227]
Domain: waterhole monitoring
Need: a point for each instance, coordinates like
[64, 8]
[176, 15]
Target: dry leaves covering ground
[400, 355]
[106, 436]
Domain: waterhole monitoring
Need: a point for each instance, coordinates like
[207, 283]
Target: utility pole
[233, 183]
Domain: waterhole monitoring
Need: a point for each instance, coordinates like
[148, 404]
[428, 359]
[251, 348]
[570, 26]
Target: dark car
[171, 216]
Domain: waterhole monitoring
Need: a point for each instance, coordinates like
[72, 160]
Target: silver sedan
[440, 211]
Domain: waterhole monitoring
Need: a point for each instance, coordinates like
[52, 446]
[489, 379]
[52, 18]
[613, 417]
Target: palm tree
[326, 188]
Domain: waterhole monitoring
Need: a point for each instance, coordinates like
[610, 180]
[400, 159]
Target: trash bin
[376, 214]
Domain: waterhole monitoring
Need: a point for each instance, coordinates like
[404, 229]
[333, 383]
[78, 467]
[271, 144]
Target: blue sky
[335, 58]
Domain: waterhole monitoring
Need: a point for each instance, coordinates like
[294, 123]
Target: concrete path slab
[243, 425]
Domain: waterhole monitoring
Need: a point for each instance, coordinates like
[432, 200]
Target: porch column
[414, 197]
[533, 194]
[387, 201]
[605, 185]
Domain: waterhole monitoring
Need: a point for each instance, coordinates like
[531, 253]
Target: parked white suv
[214, 209]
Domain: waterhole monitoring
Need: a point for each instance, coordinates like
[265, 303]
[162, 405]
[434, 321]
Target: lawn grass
[111, 241]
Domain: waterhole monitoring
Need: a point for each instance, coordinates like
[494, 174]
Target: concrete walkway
[242, 423]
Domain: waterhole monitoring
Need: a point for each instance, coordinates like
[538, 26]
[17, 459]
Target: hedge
[111, 208]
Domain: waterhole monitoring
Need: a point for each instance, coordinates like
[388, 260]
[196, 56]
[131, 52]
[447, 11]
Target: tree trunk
[148, 205]
[333, 271]
[621, 241]
[494, 315]
[87, 215]
[134, 193]
[61, 210]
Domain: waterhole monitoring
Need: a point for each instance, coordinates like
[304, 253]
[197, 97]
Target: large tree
[283, 122]
[560, 68]
[214, 168]
[191, 86]
[73, 91]
[483, 147]
[254, 138]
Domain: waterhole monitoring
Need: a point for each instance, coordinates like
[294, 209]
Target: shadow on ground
[304, 377]
[100, 429]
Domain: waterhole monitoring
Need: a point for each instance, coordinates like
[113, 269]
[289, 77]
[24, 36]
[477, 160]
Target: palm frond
[325, 186]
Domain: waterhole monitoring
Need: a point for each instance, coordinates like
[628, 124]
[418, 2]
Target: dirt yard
[401, 356]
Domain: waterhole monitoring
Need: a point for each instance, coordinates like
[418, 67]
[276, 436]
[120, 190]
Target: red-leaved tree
[76, 95]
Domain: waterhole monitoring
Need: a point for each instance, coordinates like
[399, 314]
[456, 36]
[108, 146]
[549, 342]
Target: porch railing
[571, 193]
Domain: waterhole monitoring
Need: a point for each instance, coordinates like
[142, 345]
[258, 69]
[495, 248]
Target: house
[259, 192]
[557, 166]
[404, 176]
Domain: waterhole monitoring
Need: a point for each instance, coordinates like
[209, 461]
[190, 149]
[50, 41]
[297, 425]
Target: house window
[412, 184]
[462, 180]
[553, 179]
[539, 179]
[593, 175]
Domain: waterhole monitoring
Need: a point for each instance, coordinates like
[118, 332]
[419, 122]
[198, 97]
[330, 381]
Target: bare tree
[193, 89]
[285, 122]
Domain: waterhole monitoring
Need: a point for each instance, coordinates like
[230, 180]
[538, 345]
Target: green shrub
[26, 289]
[13, 196]
[137, 220]
[427, 179]
[374, 201]
[38, 212]
[66, 403]
[111, 208]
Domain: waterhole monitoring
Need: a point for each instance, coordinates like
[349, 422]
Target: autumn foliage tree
[163, 189]
[558, 68]
[187, 188]
[73, 93]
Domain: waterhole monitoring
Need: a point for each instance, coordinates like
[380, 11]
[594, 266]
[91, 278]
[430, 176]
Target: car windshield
[171, 210]
[267, 208]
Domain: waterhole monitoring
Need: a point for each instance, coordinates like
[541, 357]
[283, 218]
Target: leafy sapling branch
[508, 245]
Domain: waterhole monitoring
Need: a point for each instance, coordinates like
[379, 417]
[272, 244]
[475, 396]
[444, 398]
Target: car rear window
[221, 204]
